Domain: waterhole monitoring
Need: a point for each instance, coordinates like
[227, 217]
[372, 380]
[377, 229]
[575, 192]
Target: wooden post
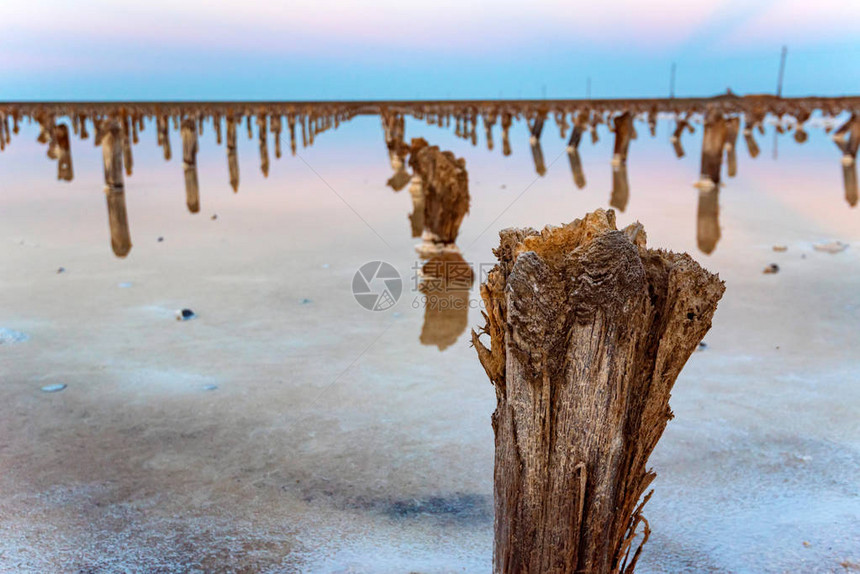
[109, 134]
[189, 164]
[232, 153]
[446, 195]
[713, 140]
[588, 331]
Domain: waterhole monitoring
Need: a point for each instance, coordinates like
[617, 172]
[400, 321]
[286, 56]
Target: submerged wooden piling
[588, 331]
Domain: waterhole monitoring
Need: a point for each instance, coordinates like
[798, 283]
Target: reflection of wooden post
[263, 134]
[576, 167]
[750, 121]
[506, 127]
[164, 136]
[489, 122]
[232, 153]
[588, 330]
[847, 139]
[732, 126]
[64, 153]
[416, 218]
[681, 124]
[110, 135]
[291, 122]
[216, 123]
[620, 188]
[537, 156]
[708, 220]
[275, 124]
[712, 148]
[127, 158]
[800, 135]
[446, 281]
[189, 164]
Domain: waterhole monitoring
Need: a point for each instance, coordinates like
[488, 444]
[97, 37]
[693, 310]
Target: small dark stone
[306, 301]
[702, 345]
[185, 315]
[160, 239]
[214, 216]
[771, 269]
[61, 270]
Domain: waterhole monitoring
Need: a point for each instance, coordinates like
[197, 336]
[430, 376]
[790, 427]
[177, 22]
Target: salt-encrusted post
[588, 331]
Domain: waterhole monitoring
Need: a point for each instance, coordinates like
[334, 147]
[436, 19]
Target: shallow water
[335, 441]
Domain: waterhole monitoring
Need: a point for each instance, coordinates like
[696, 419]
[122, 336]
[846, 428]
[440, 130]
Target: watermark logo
[377, 286]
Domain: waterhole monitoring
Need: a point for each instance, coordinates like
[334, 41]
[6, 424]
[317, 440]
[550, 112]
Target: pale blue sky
[329, 49]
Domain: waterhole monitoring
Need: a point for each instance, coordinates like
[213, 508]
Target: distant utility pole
[588, 88]
[779, 94]
[672, 82]
[781, 71]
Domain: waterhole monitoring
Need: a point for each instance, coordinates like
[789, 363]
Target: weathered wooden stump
[588, 331]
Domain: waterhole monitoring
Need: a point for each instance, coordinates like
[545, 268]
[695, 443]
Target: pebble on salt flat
[185, 315]
[780, 248]
[306, 301]
[61, 270]
[160, 239]
[702, 346]
[54, 388]
[831, 247]
[771, 269]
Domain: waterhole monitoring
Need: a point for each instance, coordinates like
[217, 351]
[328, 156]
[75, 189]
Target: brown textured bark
[588, 331]
[713, 141]
[446, 190]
